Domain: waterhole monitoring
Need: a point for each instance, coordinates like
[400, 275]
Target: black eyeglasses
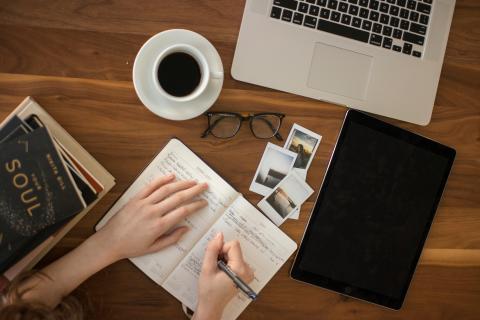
[225, 125]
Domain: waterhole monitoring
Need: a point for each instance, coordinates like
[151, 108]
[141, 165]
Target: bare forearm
[68, 272]
[147, 223]
[207, 313]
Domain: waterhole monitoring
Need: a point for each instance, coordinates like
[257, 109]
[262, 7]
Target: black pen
[237, 280]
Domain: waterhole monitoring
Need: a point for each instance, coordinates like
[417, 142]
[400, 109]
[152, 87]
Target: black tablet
[373, 212]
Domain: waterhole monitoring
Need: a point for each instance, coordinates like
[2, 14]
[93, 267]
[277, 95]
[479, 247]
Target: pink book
[3, 283]
[28, 261]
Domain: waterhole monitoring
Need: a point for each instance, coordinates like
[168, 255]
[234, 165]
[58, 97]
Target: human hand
[144, 225]
[216, 289]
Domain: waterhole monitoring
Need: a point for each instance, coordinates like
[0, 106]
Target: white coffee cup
[206, 74]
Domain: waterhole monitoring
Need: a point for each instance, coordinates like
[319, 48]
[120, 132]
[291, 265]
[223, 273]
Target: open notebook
[265, 247]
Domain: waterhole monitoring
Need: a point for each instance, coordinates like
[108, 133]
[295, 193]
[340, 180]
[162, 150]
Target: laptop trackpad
[339, 71]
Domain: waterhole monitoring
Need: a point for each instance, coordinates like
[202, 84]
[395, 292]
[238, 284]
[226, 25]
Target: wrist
[209, 311]
[103, 247]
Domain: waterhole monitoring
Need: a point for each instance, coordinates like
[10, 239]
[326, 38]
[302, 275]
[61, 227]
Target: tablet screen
[374, 211]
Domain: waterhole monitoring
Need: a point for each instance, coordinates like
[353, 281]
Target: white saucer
[145, 87]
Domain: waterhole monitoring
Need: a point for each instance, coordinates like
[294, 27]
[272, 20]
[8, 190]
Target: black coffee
[179, 74]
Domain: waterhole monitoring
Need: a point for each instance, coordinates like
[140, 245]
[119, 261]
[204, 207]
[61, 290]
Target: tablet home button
[348, 290]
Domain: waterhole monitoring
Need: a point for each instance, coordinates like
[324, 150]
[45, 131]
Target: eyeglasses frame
[243, 117]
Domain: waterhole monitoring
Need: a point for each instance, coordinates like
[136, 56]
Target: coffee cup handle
[216, 75]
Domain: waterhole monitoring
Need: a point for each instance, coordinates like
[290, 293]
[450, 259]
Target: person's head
[13, 307]
[300, 148]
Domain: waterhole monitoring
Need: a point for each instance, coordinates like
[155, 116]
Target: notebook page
[265, 248]
[177, 158]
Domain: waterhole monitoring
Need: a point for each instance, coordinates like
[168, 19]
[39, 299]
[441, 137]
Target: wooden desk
[76, 57]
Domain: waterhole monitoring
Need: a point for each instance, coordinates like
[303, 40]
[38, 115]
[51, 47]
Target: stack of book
[48, 182]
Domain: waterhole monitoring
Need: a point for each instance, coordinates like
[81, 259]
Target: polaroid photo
[304, 143]
[302, 174]
[295, 214]
[275, 164]
[287, 196]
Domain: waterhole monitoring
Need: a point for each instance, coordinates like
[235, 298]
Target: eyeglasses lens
[265, 126]
[224, 126]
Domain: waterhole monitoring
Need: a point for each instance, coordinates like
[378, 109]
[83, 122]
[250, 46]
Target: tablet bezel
[345, 288]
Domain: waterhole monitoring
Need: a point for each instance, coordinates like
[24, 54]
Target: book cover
[89, 194]
[19, 128]
[37, 192]
[13, 129]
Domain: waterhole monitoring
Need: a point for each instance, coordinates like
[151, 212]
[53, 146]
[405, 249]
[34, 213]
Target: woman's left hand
[145, 224]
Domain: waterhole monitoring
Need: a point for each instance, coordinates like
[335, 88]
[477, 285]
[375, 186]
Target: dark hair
[12, 307]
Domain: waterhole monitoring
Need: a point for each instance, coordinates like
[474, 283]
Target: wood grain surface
[75, 58]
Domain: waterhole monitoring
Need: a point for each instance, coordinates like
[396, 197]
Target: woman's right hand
[216, 289]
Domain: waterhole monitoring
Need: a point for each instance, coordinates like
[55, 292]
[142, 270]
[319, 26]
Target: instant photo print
[275, 165]
[304, 143]
[287, 196]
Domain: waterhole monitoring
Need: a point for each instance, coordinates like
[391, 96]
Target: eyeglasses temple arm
[205, 133]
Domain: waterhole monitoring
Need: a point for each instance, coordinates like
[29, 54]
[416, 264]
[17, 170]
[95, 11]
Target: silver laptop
[382, 57]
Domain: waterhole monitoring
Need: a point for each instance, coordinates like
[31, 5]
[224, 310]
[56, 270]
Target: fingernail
[218, 236]
[170, 175]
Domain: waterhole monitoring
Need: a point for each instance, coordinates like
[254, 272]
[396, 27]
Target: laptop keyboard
[398, 25]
